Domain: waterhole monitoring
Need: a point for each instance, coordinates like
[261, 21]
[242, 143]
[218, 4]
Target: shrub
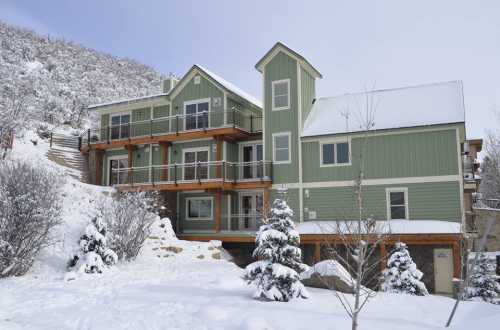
[30, 208]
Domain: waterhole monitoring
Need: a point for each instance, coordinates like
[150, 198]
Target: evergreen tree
[483, 281]
[276, 274]
[401, 274]
[94, 253]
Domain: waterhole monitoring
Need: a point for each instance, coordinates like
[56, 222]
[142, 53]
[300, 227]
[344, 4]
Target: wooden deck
[203, 185]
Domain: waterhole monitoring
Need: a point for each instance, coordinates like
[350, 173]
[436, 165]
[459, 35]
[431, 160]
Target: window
[281, 148]
[196, 114]
[196, 164]
[397, 203]
[281, 94]
[199, 208]
[117, 172]
[119, 126]
[334, 153]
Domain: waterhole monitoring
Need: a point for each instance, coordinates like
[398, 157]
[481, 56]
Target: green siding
[191, 92]
[292, 198]
[161, 111]
[426, 201]
[105, 120]
[428, 153]
[308, 90]
[281, 67]
[232, 152]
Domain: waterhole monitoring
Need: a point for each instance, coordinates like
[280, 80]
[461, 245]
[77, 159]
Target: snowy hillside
[59, 79]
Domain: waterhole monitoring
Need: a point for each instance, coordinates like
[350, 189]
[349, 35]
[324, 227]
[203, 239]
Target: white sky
[352, 43]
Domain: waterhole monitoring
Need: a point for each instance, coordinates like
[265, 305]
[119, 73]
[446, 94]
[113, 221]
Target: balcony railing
[174, 125]
[219, 171]
[244, 221]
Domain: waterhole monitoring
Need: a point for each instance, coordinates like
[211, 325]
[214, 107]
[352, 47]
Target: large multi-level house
[220, 156]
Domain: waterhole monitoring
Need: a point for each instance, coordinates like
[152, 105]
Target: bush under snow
[483, 281]
[276, 275]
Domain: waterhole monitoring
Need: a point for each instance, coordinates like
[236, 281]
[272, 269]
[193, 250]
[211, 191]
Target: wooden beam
[218, 209]
[164, 146]
[197, 186]
[457, 263]
[317, 252]
[383, 257]
[98, 166]
[219, 155]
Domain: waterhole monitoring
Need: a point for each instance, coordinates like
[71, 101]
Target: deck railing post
[234, 173]
[198, 166]
[129, 132]
[79, 143]
[234, 116]
[109, 135]
[151, 128]
[88, 137]
[175, 173]
[251, 123]
[177, 124]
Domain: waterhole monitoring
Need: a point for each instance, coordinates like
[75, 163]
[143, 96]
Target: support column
[457, 264]
[317, 252]
[383, 256]
[219, 156]
[218, 208]
[265, 202]
[99, 156]
[164, 148]
[130, 148]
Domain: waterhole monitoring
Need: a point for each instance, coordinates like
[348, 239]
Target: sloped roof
[281, 46]
[423, 105]
[127, 101]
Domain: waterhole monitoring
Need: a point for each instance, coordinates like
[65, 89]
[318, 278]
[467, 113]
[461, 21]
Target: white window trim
[335, 141]
[211, 199]
[109, 159]
[388, 201]
[115, 114]
[195, 149]
[272, 94]
[186, 103]
[289, 135]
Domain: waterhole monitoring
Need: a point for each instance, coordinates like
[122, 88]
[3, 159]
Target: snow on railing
[482, 203]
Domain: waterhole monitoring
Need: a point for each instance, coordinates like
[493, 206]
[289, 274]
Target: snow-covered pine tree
[483, 282]
[276, 273]
[401, 274]
[94, 254]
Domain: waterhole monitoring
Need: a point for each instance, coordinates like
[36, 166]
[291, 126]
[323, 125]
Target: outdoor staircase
[64, 151]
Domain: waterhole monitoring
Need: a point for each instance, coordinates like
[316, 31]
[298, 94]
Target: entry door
[251, 207]
[252, 154]
[443, 270]
[116, 173]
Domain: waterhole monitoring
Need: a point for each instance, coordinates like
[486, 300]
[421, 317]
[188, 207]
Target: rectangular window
[281, 148]
[397, 203]
[196, 164]
[199, 208]
[281, 94]
[335, 153]
[196, 115]
[117, 172]
[120, 126]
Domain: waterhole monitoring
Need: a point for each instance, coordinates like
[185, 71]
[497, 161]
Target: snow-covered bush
[401, 274]
[30, 208]
[94, 253]
[128, 218]
[276, 274]
[483, 281]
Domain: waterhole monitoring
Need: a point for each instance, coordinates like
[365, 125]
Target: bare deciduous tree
[30, 208]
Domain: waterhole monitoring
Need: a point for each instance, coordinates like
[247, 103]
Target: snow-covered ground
[176, 284]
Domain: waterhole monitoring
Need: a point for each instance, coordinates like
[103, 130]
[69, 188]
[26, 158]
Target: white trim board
[371, 182]
[275, 82]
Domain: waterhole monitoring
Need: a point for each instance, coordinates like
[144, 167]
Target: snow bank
[328, 268]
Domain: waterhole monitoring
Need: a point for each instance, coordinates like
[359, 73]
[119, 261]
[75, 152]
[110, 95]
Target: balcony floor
[180, 186]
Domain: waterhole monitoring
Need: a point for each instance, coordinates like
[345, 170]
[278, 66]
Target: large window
[334, 153]
[199, 208]
[196, 114]
[281, 148]
[195, 164]
[397, 203]
[120, 126]
[117, 172]
[281, 94]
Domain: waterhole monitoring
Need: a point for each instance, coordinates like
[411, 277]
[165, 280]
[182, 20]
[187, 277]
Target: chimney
[169, 83]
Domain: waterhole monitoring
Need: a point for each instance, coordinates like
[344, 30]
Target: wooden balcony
[234, 124]
[194, 176]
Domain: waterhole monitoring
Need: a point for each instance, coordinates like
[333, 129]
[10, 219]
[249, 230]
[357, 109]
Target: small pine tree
[483, 281]
[401, 274]
[276, 274]
[94, 253]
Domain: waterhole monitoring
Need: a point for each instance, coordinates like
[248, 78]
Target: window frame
[110, 125]
[335, 142]
[198, 101]
[280, 134]
[109, 159]
[273, 83]
[388, 192]
[210, 198]
[195, 150]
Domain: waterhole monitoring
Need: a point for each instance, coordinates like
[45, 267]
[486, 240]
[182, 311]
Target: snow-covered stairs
[64, 151]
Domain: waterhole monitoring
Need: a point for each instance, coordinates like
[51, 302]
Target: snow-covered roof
[231, 87]
[423, 105]
[390, 226]
[128, 100]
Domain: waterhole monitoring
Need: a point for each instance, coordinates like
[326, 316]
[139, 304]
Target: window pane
[193, 209]
[342, 152]
[203, 107]
[190, 109]
[398, 212]
[282, 155]
[328, 153]
[125, 119]
[115, 120]
[205, 210]
[189, 157]
[280, 101]
[202, 156]
[281, 88]
[281, 142]
[398, 198]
